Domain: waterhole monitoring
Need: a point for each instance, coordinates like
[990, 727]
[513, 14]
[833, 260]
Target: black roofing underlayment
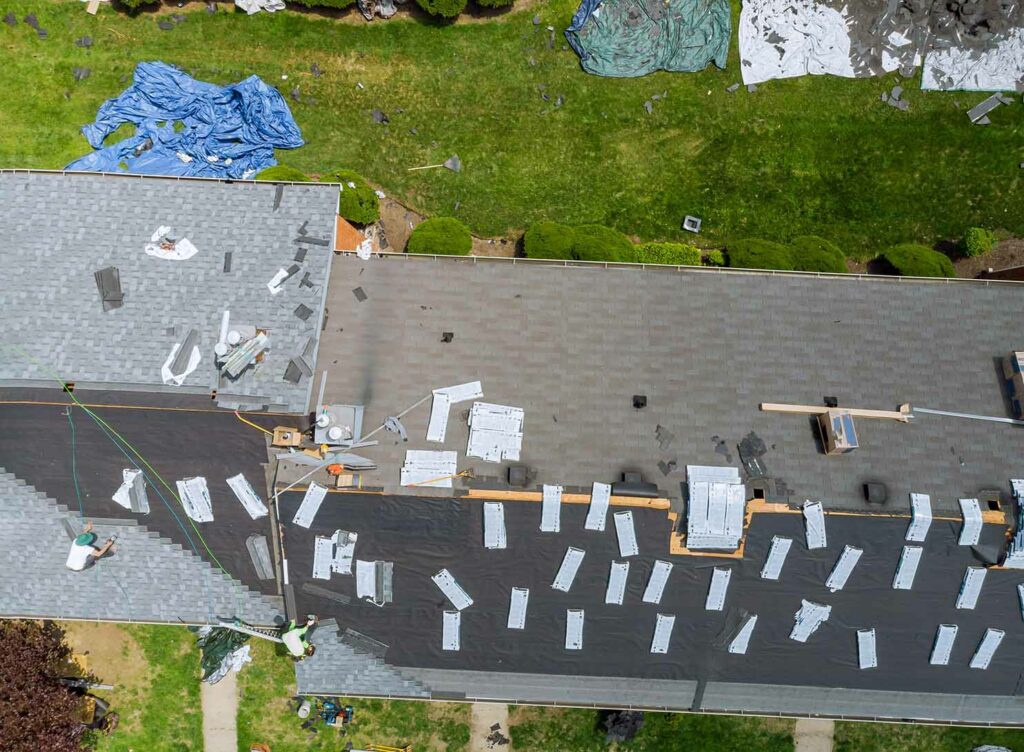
[35, 445]
[423, 535]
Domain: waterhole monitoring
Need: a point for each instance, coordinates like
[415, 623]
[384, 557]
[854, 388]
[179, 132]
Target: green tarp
[626, 38]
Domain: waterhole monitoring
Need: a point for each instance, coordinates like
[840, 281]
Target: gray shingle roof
[59, 229]
[572, 345]
[148, 579]
[338, 667]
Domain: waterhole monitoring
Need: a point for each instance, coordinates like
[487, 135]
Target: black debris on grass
[414, 132]
[80, 74]
[10, 19]
[32, 21]
[649, 107]
[380, 118]
[315, 70]
[85, 41]
[165, 25]
[359, 293]
[733, 89]
[536, 20]
[294, 93]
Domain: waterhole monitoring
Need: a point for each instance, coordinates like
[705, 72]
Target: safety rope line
[111, 433]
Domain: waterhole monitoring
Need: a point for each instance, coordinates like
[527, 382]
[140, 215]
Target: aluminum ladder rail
[266, 633]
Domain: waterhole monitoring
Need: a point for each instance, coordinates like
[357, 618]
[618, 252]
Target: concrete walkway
[220, 706]
[812, 735]
[483, 717]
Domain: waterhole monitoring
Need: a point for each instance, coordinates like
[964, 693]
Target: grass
[813, 155]
[155, 673]
[266, 713]
[881, 737]
[568, 730]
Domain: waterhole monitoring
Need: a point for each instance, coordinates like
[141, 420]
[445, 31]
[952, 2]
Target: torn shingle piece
[305, 281]
[108, 281]
[312, 241]
[359, 293]
[303, 312]
[278, 193]
[300, 255]
[227, 261]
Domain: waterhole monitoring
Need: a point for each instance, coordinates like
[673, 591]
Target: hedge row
[445, 236]
[357, 200]
[551, 240]
[804, 254]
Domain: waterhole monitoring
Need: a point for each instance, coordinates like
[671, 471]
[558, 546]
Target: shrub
[600, 243]
[714, 258]
[549, 240]
[759, 254]
[813, 254]
[357, 201]
[445, 236]
[281, 172]
[494, 3]
[443, 8]
[668, 253]
[135, 4]
[912, 260]
[977, 241]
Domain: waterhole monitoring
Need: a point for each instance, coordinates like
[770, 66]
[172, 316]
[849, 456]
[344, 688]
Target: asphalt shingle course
[59, 229]
[147, 579]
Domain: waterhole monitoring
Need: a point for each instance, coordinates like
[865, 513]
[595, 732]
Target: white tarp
[998, 68]
[788, 38]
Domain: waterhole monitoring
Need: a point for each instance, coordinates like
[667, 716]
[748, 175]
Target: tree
[38, 711]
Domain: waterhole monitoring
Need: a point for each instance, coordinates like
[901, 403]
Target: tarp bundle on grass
[626, 38]
[229, 131]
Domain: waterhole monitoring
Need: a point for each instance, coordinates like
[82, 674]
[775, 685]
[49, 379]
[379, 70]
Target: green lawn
[567, 730]
[266, 713]
[885, 737]
[155, 673]
[813, 155]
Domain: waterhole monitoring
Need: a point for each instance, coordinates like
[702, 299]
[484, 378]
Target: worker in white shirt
[294, 638]
[84, 553]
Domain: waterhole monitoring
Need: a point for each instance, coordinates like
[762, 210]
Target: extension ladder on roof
[266, 633]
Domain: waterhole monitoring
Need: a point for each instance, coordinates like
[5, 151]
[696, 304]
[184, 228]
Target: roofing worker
[294, 638]
[83, 553]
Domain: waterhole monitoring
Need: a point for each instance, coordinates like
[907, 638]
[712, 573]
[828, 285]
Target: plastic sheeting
[788, 38]
[998, 68]
[627, 38]
[229, 132]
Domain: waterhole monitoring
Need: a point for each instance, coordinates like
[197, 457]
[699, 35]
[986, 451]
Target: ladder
[266, 633]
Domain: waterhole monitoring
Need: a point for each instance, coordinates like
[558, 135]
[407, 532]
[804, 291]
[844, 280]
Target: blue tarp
[229, 131]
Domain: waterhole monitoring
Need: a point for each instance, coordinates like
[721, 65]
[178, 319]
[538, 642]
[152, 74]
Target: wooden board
[567, 498]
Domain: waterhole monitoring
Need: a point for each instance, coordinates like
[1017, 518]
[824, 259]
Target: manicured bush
[813, 254]
[494, 3]
[357, 201]
[445, 236]
[714, 258]
[978, 240]
[754, 253]
[912, 260]
[281, 173]
[549, 240]
[600, 243]
[443, 8]
[668, 253]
